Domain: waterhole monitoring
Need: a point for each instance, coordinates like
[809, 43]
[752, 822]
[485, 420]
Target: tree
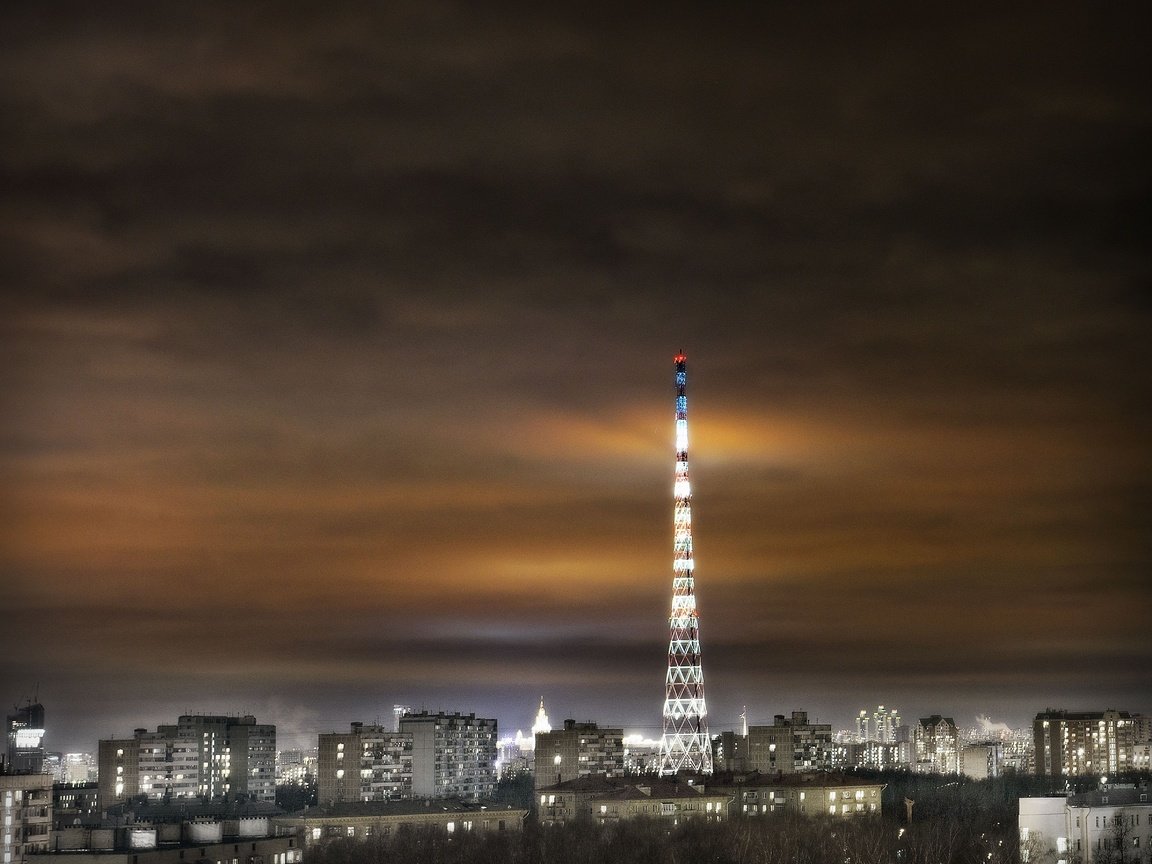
[1117, 846]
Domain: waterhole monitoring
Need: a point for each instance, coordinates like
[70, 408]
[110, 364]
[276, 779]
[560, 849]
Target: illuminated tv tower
[685, 745]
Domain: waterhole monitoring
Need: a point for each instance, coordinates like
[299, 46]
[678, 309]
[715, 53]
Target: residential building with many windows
[598, 798]
[1069, 743]
[205, 756]
[789, 745]
[578, 750]
[813, 793]
[368, 763]
[26, 813]
[937, 745]
[453, 755]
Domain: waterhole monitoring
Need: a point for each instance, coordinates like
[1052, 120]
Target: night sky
[336, 359]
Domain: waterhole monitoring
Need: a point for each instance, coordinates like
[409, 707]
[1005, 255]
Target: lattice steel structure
[685, 745]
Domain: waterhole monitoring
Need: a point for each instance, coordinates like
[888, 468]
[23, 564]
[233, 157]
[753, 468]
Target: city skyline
[335, 346]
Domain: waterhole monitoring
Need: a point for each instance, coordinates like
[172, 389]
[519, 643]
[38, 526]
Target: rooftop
[400, 808]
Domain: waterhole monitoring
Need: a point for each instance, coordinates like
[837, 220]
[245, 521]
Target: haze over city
[336, 360]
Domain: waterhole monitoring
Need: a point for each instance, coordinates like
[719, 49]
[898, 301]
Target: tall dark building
[1069, 743]
[26, 739]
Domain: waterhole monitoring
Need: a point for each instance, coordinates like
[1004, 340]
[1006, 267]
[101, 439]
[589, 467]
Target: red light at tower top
[680, 358]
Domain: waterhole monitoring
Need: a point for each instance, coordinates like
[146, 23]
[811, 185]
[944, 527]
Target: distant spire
[541, 724]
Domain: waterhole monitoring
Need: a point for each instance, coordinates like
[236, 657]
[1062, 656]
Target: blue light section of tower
[685, 745]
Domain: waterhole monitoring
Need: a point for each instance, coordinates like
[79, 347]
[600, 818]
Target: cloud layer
[335, 358]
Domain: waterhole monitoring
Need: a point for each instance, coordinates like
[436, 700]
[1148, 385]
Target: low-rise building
[602, 799]
[815, 793]
[360, 821]
[1043, 830]
[144, 832]
[1110, 823]
[75, 804]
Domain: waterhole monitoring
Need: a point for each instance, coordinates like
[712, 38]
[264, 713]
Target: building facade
[1071, 743]
[368, 763]
[578, 750]
[25, 728]
[819, 793]
[980, 760]
[205, 756]
[362, 821]
[937, 745]
[882, 757]
[1109, 824]
[597, 798]
[453, 755]
[75, 804]
[885, 722]
[184, 833]
[789, 745]
[26, 813]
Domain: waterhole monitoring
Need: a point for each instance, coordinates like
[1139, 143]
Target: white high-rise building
[884, 724]
[862, 727]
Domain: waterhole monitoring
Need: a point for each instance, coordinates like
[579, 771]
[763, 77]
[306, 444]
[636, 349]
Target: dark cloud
[364, 318]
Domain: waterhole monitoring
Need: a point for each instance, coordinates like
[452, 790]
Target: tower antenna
[685, 745]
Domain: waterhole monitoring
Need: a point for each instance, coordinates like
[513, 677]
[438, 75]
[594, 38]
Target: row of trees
[778, 839]
[954, 821]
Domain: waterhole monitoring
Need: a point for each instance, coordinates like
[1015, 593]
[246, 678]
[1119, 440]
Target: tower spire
[685, 745]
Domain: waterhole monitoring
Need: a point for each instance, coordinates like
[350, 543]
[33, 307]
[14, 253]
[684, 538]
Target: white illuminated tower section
[684, 746]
